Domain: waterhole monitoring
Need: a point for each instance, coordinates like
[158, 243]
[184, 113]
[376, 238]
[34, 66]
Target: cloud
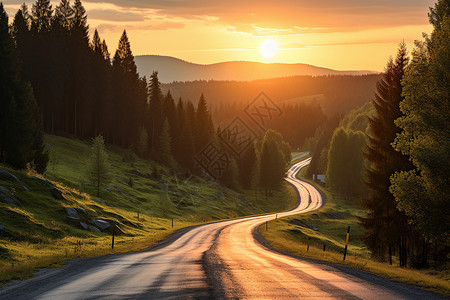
[115, 15]
[340, 15]
[263, 17]
[161, 26]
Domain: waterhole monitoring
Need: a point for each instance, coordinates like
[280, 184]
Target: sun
[268, 49]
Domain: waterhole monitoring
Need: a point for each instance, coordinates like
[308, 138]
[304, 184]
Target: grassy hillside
[36, 229]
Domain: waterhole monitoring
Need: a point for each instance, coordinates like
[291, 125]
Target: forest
[61, 78]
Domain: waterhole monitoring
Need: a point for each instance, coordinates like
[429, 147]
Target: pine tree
[41, 16]
[424, 192]
[274, 159]
[386, 227]
[98, 167]
[204, 126]
[165, 148]
[155, 114]
[131, 92]
[247, 166]
[20, 132]
[64, 14]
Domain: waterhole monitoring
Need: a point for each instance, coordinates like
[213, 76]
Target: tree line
[393, 153]
[76, 89]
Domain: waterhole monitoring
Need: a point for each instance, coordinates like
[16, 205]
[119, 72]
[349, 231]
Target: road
[218, 260]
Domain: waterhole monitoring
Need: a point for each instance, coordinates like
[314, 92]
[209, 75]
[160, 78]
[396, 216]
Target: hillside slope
[45, 220]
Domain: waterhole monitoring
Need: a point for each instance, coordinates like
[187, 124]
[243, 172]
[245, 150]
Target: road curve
[218, 260]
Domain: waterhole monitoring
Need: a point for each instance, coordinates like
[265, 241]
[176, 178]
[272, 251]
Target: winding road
[217, 260]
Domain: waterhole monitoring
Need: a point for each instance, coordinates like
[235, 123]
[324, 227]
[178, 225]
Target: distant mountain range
[173, 69]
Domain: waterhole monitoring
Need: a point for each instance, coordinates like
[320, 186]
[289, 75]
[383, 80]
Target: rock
[57, 194]
[2, 188]
[108, 189]
[84, 225]
[93, 228]
[118, 231]
[71, 212]
[13, 201]
[2, 228]
[73, 219]
[43, 180]
[81, 211]
[102, 224]
[119, 190]
[4, 175]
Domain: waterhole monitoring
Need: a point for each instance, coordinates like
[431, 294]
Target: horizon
[249, 61]
[339, 36]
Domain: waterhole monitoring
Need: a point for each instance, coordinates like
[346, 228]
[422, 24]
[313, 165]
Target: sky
[337, 34]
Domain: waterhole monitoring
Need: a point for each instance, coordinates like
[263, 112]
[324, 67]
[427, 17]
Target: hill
[336, 94]
[173, 69]
[45, 220]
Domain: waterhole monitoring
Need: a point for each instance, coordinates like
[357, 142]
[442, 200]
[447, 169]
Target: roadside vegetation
[142, 198]
[328, 226]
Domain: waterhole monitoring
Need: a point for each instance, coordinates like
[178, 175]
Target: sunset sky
[343, 35]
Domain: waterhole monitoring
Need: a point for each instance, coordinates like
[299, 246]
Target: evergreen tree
[247, 166]
[142, 143]
[345, 162]
[386, 228]
[155, 115]
[130, 92]
[20, 132]
[204, 126]
[165, 148]
[98, 169]
[274, 159]
[424, 192]
[64, 14]
[41, 16]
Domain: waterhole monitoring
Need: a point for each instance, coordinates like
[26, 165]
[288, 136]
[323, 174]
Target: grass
[38, 234]
[290, 235]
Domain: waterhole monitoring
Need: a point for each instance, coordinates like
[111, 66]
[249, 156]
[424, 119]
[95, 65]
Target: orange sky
[343, 35]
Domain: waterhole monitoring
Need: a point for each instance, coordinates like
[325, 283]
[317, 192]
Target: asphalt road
[218, 260]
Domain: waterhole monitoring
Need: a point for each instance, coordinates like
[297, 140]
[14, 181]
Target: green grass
[37, 234]
[332, 220]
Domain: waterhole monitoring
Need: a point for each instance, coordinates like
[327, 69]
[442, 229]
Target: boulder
[71, 212]
[73, 219]
[118, 231]
[2, 228]
[43, 180]
[4, 175]
[12, 201]
[84, 225]
[93, 228]
[57, 194]
[81, 211]
[119, 190]
[102, 224]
